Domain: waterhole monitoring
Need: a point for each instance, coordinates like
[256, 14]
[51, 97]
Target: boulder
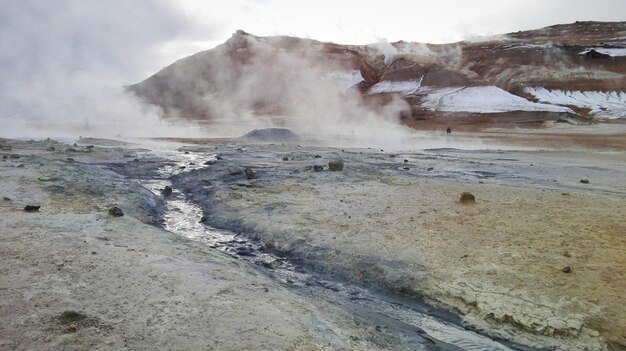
[467, 198]
[116, 211]
[335, 165]
[250, 173]
[31, 208]
[167, 191]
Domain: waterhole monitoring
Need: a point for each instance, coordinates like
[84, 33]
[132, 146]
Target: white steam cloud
[64, 64]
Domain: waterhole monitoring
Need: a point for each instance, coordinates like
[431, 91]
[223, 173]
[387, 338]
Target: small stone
[467, 198]
[6, 198]
[14, 156]
[285, 158]
[116, 211]
[69, 159]
[31, 208]
[89, 147]
[567, 269]
[584, 181]
[565, 194]
[75, 145]
[234, 170]
[567, 254]
[186, 152]
[318, 156]
[210, 163]
[406, 161]
[94, 253]
[182, 167]
[167, 191]
[20, 166]
[430, 168]
[336, 165]
[250, 173]
[51, 148]
[318, 168]
[47, 338]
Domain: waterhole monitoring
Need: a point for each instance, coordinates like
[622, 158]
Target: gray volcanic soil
[393, 221]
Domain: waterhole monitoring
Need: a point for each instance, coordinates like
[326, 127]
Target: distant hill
[570, 71]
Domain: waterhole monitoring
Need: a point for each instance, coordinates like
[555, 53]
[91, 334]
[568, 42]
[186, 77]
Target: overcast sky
[54, 48]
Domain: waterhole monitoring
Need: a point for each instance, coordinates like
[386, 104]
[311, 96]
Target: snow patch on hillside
[406, 87]
[611, 105]
[613, 52]
[485, 99]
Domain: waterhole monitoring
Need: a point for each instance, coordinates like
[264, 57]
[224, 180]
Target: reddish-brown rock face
[564, 71]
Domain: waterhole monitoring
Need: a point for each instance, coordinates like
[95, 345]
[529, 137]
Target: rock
[20, 165]
[318, 168]
[467, 198]
[406, 161]
[69, 159]
[116, 211]
[51, 148]
[6, 147]
[584, 181]
[567, 254]
[336, 165]
[182, 167]
[430, 168]
[567, 269]
[186, 152]
[210, 163]
[14, 156]
[250, 173]
[69, 317]
[317, 156]
[285, 158]
[6, 198]
[31, 208]
[234, 170]
[167, 191]
[89, 147]
[75, 145]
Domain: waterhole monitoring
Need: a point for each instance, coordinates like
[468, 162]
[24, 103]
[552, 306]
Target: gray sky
[54, 49]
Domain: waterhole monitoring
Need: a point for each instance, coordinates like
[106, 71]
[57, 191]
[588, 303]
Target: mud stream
[412, 324]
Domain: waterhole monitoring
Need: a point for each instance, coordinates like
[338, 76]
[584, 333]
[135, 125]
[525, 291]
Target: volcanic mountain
[563, 72]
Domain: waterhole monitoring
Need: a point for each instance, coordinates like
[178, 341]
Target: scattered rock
[567, 269]
[51, 148]
[6, 147]
[567, 254]
[406, 168]
[467, 198]
[6, 198]
[285, 158]
[336, 165]
[406, 161]
[72, 328]
[69, 317]
[75, 145]
[234, 170]
[192, 163]
[317, 156]
[318, 168]
[31, 208]
[182, 167]
[250, 173]
[69, 159]
[116, 211]
[14, 156]
[565, 194]
[210, 163]
[219, 157]
[167, 191]
[94, 253]
[430, 168]
[21, 165]
[584, 181]
[186, 152]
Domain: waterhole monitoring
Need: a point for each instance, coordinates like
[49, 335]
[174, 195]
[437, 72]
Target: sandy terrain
[130, 285]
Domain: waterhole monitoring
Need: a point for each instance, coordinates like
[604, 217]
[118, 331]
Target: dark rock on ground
[317, 156]
[285, 158]
[467, 198]
[318, 168]
[51, 148]
[116, 211]
[250, 173]
[584, 181]
[430, 169]
[234, 170]
[335, 165]
[567, 269]
[68, 317]
[6, 198]
[31, 208]
[209, 162]
[167, 191]
[14, 156]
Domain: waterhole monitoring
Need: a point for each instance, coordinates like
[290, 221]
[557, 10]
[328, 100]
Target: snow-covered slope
[610, 105]
[485, 99]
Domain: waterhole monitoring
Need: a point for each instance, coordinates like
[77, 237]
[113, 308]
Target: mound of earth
[271, 135]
